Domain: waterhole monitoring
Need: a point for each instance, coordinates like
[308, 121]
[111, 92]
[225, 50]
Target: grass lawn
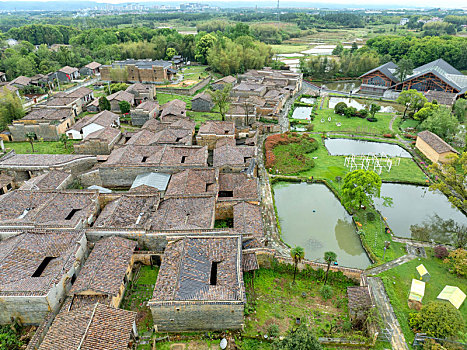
[195, 72]
[196, 344]
[290, 48]
[409, 123]
[200, 117]
[163, 97]
[40, 147]
[397, 282]
[273, 299]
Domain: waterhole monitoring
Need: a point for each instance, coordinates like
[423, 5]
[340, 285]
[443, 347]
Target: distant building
[99, 142]
[202, 102]
[90, 69]
[119, 96]
[67, 74]
[142, 71]
[220, 83]
[173, 111]
[434, 147]
[142, 92]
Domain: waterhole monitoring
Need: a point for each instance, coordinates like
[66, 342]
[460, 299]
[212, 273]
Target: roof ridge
[87, 328]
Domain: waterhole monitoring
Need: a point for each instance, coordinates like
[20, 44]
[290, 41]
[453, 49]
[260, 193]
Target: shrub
[437, 319]
[340, 108]
[310, 127]
[350, 112]
[372, 119]
[370, 216]
[457, 262]
[441, 252]
[326, 292]
[363, 113]
[389, 136]
[273, 330]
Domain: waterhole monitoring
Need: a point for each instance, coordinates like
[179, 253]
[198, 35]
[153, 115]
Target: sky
[321, 3]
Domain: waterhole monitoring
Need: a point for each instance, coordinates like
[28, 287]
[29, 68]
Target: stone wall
[46, 131]
[95, 146]
[200, 105]
[197, 316]
[189, 92]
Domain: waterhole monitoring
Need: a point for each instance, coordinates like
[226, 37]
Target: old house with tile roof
[212, 131]
[247, 220]
[7, 183]
[200, 285]
[165, 136]
[90, 69]
[233, 158]
[48, 209]
[20, 82]
[93, 327]
[173, 111]
[142, 92]
[46, 123]
[99, 142]
[92, 123]
[143, 112]
[119, 96]
[194, 182]
[67, 74]
[220, 83]
[106, 271]
[143, 70]
[36, 270]
[434, 147]
[125, 163]
[51, 180]
[202, 102]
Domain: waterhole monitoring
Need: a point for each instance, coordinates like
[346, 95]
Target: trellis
[377, 163]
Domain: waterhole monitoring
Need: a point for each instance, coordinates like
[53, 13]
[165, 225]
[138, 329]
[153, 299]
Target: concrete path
[389, 265]
[387, 313]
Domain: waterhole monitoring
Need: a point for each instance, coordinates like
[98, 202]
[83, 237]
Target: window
[209, 186]
[178, 139]
[144, 159]
[42, 266]
[226, 194]
[184, 159]
[71, 214]
[73, 279]
[213, 279]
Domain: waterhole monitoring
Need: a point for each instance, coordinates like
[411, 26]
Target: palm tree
[297, 254]
[329, 257]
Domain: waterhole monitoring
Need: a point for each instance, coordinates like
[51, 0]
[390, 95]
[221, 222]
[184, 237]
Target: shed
[423, 272]
[417, 291]
[158, 181]
[434, 147]
[452, 294]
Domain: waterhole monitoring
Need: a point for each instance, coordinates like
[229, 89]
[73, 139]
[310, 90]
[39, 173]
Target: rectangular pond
[302, 113]
[347, 147]
[313, 218]
[412, 205]
[310, 100]
[360, 104]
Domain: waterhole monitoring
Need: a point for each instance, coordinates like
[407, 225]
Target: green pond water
[311, 217]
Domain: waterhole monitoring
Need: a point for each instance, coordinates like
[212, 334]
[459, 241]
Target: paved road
[389, 265]
[387, 313]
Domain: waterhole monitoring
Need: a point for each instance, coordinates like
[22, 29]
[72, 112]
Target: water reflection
[346, 147]
[360, 104]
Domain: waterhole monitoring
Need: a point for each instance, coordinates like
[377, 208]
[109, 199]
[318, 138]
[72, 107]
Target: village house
[434, 147]
[125, 163]
[52, 180]
[85, 94]
[200, 282]
[202, 102]
[106, 272]
[92, 123]
[129, 210]
[173, 111]
[167, 136]
[48, 209]
[99, 142]
[61, 101]
[151, 183]
[25, 166]
[91, 327]
[194, 182]
[249, 88]
[184, 213]
[142, 92]
[20, 82]
[43, 81]
[235, 158]
[67, 74]
[235, 188]
[7, 183]
[142, 71]
[143, 112]
[212, 131]
[119, 96]
[272, 78]
[45, 123]
[242, 114]
[90, 69]
[220, 83]
[247, 220]
[93, 106]
[36, 271]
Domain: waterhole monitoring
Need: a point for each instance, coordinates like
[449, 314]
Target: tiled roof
[121, 96]
[107, 134]
[193, 182]
[143, 63]
[80, 92]
[21, 80]
[61, 101]
[240, 185]
[217, 127]
[247, 219]
[148, 106]
[93, 65]
[40, 159]
[48, 181]
[174, 107]
[128, 211]
[232, 155]
[184, 213]
[388, 69]
[227, 80]
[249, 262]
[186, 270]
[21, 256]
[5, 179]
[68, 70]
[51, 114]
[164, 136]
[104, 118]
[202, 96]
[97, 327]
[436, 142]
[139, 87]
[105, 267]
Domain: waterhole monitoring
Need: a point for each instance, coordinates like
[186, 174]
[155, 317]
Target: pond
[344, 86]
[302, 113]
[310, 100]
[360, 104]
[412, 205]
[311, 217]
[347, 147]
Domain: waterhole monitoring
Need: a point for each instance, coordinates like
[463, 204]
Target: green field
[41, 147]
[289, 48]
[397, 282]
[163, 97]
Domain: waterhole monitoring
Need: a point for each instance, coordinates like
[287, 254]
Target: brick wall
[189, 92]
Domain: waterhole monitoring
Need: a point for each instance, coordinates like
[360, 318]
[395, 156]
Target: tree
[412, 100]
[202, 47]
[9, 337]
[452, 179]
[170, 53]
[104, 104]
[457, 261]
[442, 123]
[338, 50]
[428, 109]
[437, 319]
[360, 186]
[354, 47]
[374, 108]
[404, 68]
[64, 140]
[11, 108]
[329, 257]
[340, 108]
[221, 99]
[297, 254]
[300, 339]
[460, 109]
[124, 107]
[31, 137]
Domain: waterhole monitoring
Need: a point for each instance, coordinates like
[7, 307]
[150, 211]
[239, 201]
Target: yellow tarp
[452, 294]
[417, 291]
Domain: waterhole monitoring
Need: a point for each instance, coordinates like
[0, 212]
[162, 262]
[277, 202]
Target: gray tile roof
[156, 180]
